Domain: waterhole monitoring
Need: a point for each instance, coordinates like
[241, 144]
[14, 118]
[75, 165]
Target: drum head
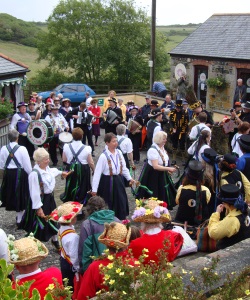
[65, 137]
[39, 132]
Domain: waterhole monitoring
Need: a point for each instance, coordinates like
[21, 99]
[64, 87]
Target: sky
[168, 12]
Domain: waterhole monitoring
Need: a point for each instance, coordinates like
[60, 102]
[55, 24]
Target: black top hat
[155, 113]
[21, 104]
[113, 100]
[179, 103]
[229, 191]
[244, 142]
[229, 158]
[209, 155]
[246, 105]
[195, 170]
[154, 102]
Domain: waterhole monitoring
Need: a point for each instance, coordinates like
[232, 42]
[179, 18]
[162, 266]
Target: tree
[100, 41]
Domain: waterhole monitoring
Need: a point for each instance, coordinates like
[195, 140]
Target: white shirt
[235, 144]
[126, 145]
[153, 154]
[58, 122]
[194, 131]
[157, 129]
[48, 178]
[3, 246]
[17, 118]
[191, 150]
[20, 276]
[76, 145]
[21, 155]
[88, 101]
[103, 168]
[70, 245]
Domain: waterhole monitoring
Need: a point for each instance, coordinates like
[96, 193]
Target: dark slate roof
[10, 66]
[221, 36]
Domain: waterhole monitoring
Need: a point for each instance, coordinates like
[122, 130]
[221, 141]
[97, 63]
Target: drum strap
[75, 155]
[110, 163]
[12, 156]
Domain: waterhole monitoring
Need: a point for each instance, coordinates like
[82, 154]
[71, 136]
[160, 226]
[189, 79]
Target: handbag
[204, 242]
[189, 245]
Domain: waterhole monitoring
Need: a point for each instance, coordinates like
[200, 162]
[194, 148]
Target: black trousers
[175, 141]
[52, 149]
[88, 135]
[136, 141]
[23, 141]
[67, 272]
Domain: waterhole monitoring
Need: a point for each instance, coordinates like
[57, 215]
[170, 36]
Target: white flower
[11, 237]
[14, 257]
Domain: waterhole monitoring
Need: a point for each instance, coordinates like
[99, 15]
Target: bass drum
[40, 132]
[64, 138]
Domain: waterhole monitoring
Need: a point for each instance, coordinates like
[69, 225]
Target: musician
[112, 124]
[83, 119]
[78, 158]
[59, 125]
[135, 136]
[66, 106]
[96, 111]
[20, 121]
[57, 102]
[32, 111]
[111, 94]
[178, 129]
[47, 110]
[153, 125]
[129, 104]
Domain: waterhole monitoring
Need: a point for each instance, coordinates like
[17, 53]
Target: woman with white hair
[15, 161]
[41, 186]
[155, 177]
[125, 145]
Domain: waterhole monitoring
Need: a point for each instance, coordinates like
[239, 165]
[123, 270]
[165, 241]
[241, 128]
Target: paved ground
[7, 219]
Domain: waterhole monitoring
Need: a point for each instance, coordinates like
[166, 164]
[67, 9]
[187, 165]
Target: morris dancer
[111, 125]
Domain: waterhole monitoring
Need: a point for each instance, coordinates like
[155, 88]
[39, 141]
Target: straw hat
[66, 212]
[151, 210]
[115, 235]
[29, 250]
[34, 95]
[93, 101]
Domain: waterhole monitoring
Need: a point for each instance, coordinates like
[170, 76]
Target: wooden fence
[4, 129]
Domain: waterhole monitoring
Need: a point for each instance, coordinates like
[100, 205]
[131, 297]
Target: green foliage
[218, 83]
[101, 41]
[7, 292]
[15, 30]
[6, 108]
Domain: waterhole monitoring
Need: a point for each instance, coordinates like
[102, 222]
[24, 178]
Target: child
[65, 214]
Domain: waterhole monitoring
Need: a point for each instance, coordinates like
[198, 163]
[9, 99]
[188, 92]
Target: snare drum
[40, 132]
[64, 138]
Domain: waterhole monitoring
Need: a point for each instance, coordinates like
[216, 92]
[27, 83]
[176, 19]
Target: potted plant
[6, 108]
[218, 83]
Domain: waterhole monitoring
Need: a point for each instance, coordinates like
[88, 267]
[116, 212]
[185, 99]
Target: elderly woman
[235, 226]
[15, 161]
[108, 178]
[78, 158]
[155, 177]
[91, 229]
[41, 186]
[192, 197]
[152, 213]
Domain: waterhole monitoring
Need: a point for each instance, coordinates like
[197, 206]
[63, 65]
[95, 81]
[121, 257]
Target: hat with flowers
[115, 235]
[66, 212]
[26, 251]
[151, 210]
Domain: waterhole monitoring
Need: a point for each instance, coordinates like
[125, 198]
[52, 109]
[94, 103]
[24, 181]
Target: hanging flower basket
[6, 108]
[218, 83]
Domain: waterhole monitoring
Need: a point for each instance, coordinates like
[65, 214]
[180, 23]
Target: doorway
[200, 86]
[244, 74]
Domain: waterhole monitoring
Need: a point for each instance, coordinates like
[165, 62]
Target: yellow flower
[110, 257]
[112, 281]
[190, 272]
[99, 292]
[110, 266]
[192, 278]
[205, 269]
[247, 292]
[144, 250]
[106, 277]
[215, 273]
[144, 255]
[118, 270]
[143, 273]
[153, 198]
[184, 271]
[169, 275]
[137, 263]
[148, 212]
[106, 250]
[121, 273]
[124, 292]
[50, 287]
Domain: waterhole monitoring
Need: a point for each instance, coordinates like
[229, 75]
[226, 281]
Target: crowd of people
[212, 187]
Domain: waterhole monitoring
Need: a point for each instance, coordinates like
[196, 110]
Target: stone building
[217, 48]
